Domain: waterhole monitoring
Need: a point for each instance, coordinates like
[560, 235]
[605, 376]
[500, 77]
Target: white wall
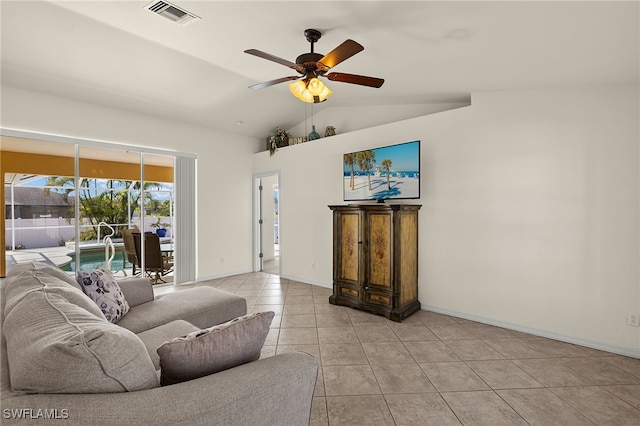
[530, 210]
[224, 210]
[345, 121]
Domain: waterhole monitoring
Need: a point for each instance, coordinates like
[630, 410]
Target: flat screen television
[387, 173]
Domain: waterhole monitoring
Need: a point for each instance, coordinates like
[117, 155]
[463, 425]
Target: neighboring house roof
[27, 196]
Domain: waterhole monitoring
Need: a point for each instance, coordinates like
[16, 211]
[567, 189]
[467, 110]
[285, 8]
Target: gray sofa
[40, 302]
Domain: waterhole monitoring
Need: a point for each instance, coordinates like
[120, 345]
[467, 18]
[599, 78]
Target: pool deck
[60, 257]
[57, 256]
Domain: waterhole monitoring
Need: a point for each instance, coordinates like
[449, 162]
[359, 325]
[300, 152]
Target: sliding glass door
[70, 205]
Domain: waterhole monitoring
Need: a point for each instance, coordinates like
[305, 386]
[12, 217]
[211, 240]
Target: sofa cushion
[56, 346]
[201, 306]
[104, 290]
[157, 336]
[214, 349]
[44, 268]
[136, 290]
[26, 278]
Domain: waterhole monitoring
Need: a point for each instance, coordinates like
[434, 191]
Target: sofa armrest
[276, 390]
[136, 290]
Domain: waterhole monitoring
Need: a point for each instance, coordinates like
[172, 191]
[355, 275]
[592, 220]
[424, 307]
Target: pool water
[92, 259]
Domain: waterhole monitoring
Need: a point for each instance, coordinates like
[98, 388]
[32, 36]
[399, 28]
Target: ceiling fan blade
[340, 53]
[276, 59]
[273, 82]
[356, 79]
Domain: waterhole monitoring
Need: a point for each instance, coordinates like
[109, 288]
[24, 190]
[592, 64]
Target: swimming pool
[91, 259]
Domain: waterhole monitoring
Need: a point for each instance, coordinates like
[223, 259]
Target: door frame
[257, 206]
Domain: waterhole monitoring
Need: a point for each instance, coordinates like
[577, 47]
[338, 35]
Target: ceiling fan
[308, 88]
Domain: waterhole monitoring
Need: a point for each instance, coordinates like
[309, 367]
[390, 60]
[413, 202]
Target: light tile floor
[434, 369]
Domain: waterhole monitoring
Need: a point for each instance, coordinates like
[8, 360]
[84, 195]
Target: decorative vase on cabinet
[375, 258]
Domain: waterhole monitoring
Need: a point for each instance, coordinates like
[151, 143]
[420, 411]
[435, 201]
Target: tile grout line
[557, 350]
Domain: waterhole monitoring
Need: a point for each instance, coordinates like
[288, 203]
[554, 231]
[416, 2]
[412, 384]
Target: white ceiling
[118, 54]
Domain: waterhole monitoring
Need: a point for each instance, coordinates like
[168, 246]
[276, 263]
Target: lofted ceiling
[118, 54]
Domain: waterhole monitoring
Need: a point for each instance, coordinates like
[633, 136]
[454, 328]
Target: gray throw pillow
[104, 290]
[214, 349]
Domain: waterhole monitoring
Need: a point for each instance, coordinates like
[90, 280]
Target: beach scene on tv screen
[389, 172]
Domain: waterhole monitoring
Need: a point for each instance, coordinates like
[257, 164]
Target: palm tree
[98, 205]
[386, 165]
[350, 160]
[366, 160]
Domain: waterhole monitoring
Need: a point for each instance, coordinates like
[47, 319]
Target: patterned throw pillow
[214, 349]
[104, 290]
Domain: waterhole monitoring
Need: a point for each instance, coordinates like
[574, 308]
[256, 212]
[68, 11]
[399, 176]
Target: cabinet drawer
[349, 292]
[378, 299]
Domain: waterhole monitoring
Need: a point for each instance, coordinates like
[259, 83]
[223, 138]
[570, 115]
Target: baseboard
[630, 352]
[223, 275]
[307, 281]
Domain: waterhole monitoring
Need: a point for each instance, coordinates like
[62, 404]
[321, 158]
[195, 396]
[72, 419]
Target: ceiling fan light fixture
[325, 93]
[311, 91]
[315, 87]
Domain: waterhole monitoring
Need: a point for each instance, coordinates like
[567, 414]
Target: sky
[404, 157]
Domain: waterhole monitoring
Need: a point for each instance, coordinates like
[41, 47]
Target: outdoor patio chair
[156, 266]
[130, 248]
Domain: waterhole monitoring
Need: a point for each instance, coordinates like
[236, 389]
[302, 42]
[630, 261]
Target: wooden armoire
[375, 258]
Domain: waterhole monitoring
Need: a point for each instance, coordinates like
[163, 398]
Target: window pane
[39, 212]
[158, 198]
[108, 202]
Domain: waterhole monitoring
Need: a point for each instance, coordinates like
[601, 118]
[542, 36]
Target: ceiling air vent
[172, 12]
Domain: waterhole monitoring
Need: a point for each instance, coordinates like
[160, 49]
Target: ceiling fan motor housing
[309, 57]
[310, 62]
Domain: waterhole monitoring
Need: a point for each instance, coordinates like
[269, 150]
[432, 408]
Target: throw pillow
[104, 290]
[214, 349]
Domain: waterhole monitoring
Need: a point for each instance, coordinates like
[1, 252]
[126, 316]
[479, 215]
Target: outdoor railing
[52, 232]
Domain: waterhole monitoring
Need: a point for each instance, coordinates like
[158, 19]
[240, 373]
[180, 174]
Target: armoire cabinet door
[347, 251]
[350, 242]
[379, 255]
